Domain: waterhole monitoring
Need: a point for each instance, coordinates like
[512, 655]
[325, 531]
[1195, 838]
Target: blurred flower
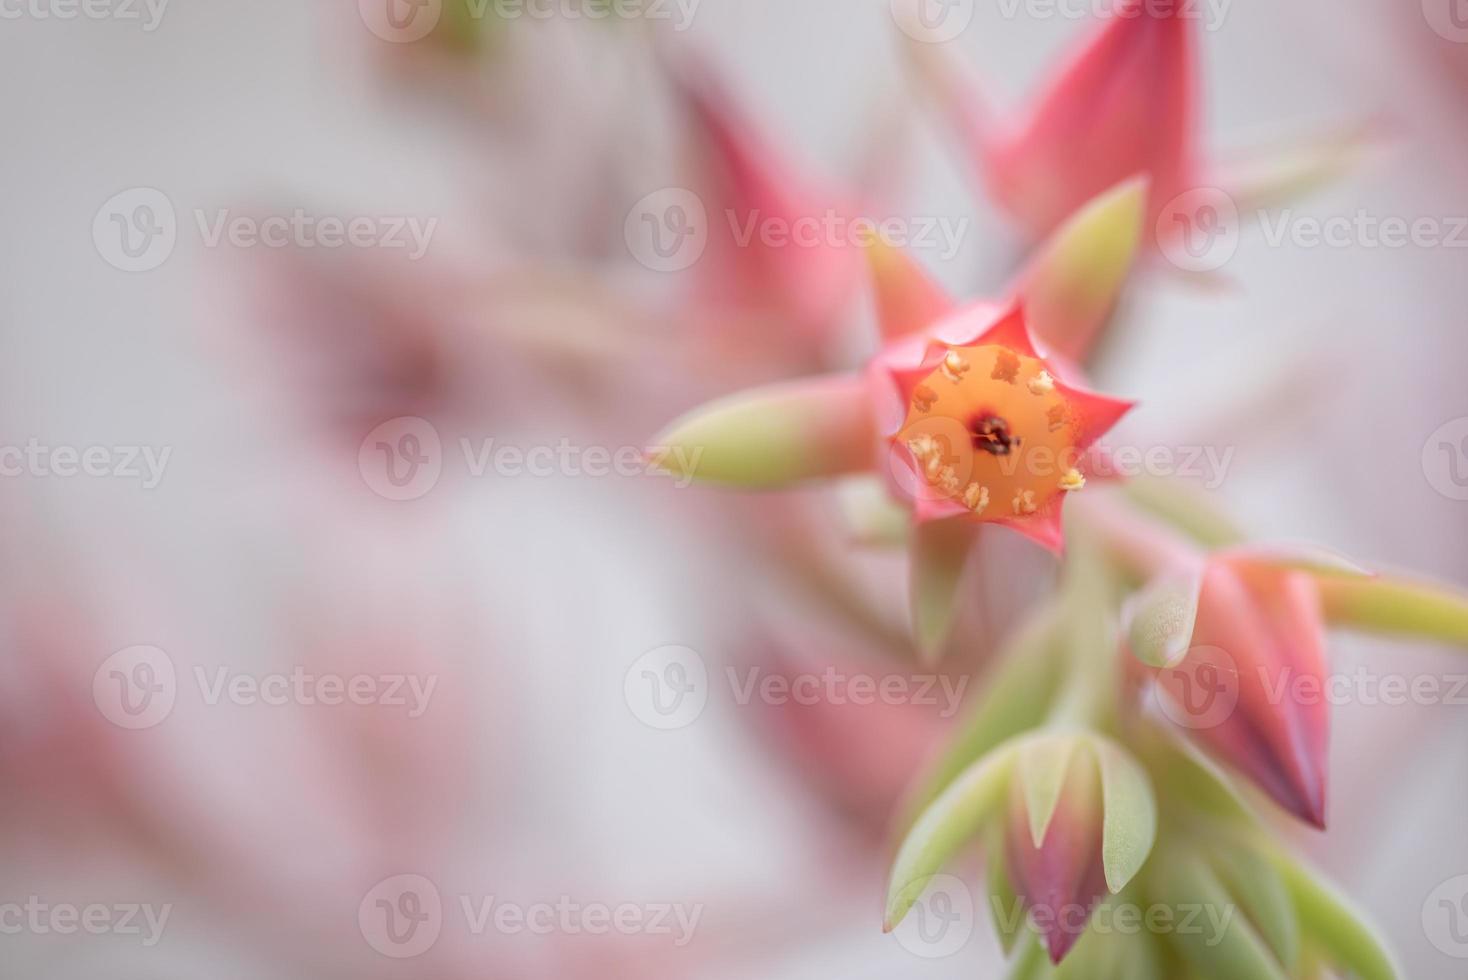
[1125, 103]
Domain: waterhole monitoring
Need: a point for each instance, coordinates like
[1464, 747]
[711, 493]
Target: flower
[1231, 652]
[1126, 102]
[1077, 819]
[958, 410]
[980, 428]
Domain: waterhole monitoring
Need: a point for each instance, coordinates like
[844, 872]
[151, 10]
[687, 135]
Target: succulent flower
[1126, 102]
[1078, 819]
[958, 411]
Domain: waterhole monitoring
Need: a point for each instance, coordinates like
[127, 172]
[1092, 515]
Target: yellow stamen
[923, 398]
[1024, 502]
[1041, 383]
[1072, 480]
[975, 497]
[954, 367]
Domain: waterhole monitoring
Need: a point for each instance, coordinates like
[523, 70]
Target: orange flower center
[989, 428]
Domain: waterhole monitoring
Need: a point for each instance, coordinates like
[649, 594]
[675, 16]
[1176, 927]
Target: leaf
[1159, 620]
[1016, 697]
[1072, 285]
[1330, 924]
[1043, 765]
[940, 553]
[1261, 891]
[774, 436]
[871, 516]
[1006, 910]
[945, 827]
[1129, 826]
[1222, 946]
[1394, 606]
[908, 300]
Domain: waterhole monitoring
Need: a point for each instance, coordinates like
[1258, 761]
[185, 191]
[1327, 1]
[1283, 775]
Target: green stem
[1396, 606]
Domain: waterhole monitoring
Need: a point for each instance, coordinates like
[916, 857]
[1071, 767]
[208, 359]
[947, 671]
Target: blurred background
[335, 593]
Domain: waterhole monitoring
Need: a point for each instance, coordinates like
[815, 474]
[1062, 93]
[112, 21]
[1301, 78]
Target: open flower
[979, 427]
[960, 413]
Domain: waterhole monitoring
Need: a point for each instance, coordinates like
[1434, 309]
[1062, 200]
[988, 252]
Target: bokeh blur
[345, 629]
